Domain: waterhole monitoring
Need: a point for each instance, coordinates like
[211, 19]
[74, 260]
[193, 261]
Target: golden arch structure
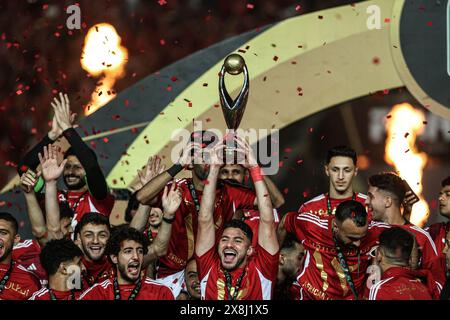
[298, 67]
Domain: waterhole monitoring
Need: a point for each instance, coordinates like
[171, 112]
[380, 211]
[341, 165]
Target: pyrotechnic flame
[402, 129]
[103, 56]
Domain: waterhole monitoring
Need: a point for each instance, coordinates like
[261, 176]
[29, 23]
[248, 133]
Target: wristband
[256, 174]
[173, 170]
[167, 220]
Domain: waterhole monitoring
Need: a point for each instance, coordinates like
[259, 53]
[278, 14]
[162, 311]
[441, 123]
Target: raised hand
[151, 170]
[49, 164]
[28, 180]
[244, 148]
[63, 119]
[171, 200]
[189, 152]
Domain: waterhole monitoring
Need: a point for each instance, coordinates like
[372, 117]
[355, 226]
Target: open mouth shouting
[96, 250]
[229, 256]
[133, 269]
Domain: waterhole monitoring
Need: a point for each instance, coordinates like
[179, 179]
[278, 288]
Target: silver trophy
[233, 110]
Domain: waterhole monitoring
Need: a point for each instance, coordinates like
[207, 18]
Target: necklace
[133, 293]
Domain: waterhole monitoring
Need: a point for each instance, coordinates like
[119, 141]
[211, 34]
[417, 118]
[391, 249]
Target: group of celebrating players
[216, 235]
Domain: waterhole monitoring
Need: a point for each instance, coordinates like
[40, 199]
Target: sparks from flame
[103, 56]
[402, 129]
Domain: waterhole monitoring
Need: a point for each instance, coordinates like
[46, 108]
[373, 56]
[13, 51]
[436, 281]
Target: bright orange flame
[402, 129]
[103, 56]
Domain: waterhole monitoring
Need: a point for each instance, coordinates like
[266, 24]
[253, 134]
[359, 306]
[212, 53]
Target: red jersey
[44, 294]
[96, 272]
[322, 277]
[27, 253]
[256, 284]
[319, 204]
[252, 220]
[83, 202]
[438, 233]
[184, 228]
[150, 290]
[21, 284]
[399, 283]
[429, 258]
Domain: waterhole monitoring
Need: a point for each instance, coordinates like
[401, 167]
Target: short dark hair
[10, 218]
[341, 151]
[398, 244]
[446, 182]
[91, 217]
[390, 182]
[57, 251]
[122, 233]
[133, 204]
[353, 210]
[289, 243]
[234, 223]
[65, 211]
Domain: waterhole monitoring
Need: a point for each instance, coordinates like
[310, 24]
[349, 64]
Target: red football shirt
[21, 284]
[184, 228]
[322, 277]
[399, 283]
[150, 290]
[438, 233]
[44, 294]
[84, 202]
[429, 258]
[319, 206]
[27, 253]
[257, 283]
[96, 272]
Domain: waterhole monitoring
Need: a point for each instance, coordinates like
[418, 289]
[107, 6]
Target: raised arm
[51, 171]
[267, 235]
[206, 232]
[94, 175]
[275, 194]
[27, 182]
[171, 201]
[150, 190]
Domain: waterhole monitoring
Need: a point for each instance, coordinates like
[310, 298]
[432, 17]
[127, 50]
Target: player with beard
[233, 269]
[337, 248]
[91, 236]
[127, 248]
[16, 283]
[385, 196]
[398, 281]
[229, 198]
[192, 290]
[292, 256]
[86, 184]
[59, 258]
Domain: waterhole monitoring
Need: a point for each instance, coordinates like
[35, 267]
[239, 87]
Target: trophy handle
[233, 110]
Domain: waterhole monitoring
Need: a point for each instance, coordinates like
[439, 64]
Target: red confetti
[305, 194]
[388, 116]
[320, 17]
[406, 134]
[33, 130]
[57, 34]
[275, 58]
[376, 60]
[430, 23]
[189, 104]
[127, 103]
[311, 130]
[285, 190]
[387, 20]
[19, 92]
[162, 2]
[45, 6]
[162, 42]
[169, 88]
[288, 150]
[134, 130]
[105, 140]
[298, 8]
[116, 117]
[24, 168]
[250, 6]
[174, 78]
[299, 161]
[281, 164]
